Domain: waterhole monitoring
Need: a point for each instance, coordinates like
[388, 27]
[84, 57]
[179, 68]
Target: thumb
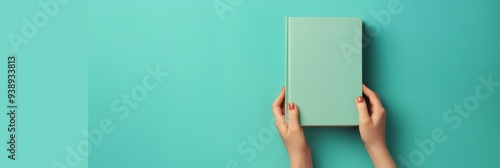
[362, 109]
[293, 116]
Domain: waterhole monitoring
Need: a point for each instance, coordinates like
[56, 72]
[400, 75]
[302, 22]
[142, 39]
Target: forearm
[381, 156]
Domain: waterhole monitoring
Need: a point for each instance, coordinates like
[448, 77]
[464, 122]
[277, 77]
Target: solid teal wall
[51, 81]
[184, 83]
[225, 70]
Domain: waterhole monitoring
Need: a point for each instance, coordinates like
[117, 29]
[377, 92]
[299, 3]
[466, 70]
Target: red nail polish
[291, 106]
[360, 99]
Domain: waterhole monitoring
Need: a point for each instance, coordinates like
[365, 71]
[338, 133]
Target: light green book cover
[324, 69]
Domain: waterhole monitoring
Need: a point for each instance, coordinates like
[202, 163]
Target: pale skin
[371, 129]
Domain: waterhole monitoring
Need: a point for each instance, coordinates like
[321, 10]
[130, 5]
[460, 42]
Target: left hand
[292, 133]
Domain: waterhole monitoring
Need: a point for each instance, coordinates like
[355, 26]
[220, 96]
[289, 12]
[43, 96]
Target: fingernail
[291, 106]
[360, 99]
[282, 88]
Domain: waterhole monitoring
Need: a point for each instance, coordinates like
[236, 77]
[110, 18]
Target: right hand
[371, 125]
[372, 129]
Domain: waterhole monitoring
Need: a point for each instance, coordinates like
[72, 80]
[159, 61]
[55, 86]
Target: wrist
[301, 159]
[380, 156]
[376, 147]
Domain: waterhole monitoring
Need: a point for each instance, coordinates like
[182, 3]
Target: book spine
[287, 60]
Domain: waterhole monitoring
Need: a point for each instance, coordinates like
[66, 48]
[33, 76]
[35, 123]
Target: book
[324, 69]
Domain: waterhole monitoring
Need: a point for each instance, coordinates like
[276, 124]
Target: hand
[372, 129]
[292, 134]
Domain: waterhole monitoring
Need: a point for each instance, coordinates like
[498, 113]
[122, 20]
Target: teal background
[52, 84]
[224, 75]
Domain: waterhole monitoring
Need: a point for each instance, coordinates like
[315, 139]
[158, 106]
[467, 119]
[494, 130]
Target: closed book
[324, 69]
